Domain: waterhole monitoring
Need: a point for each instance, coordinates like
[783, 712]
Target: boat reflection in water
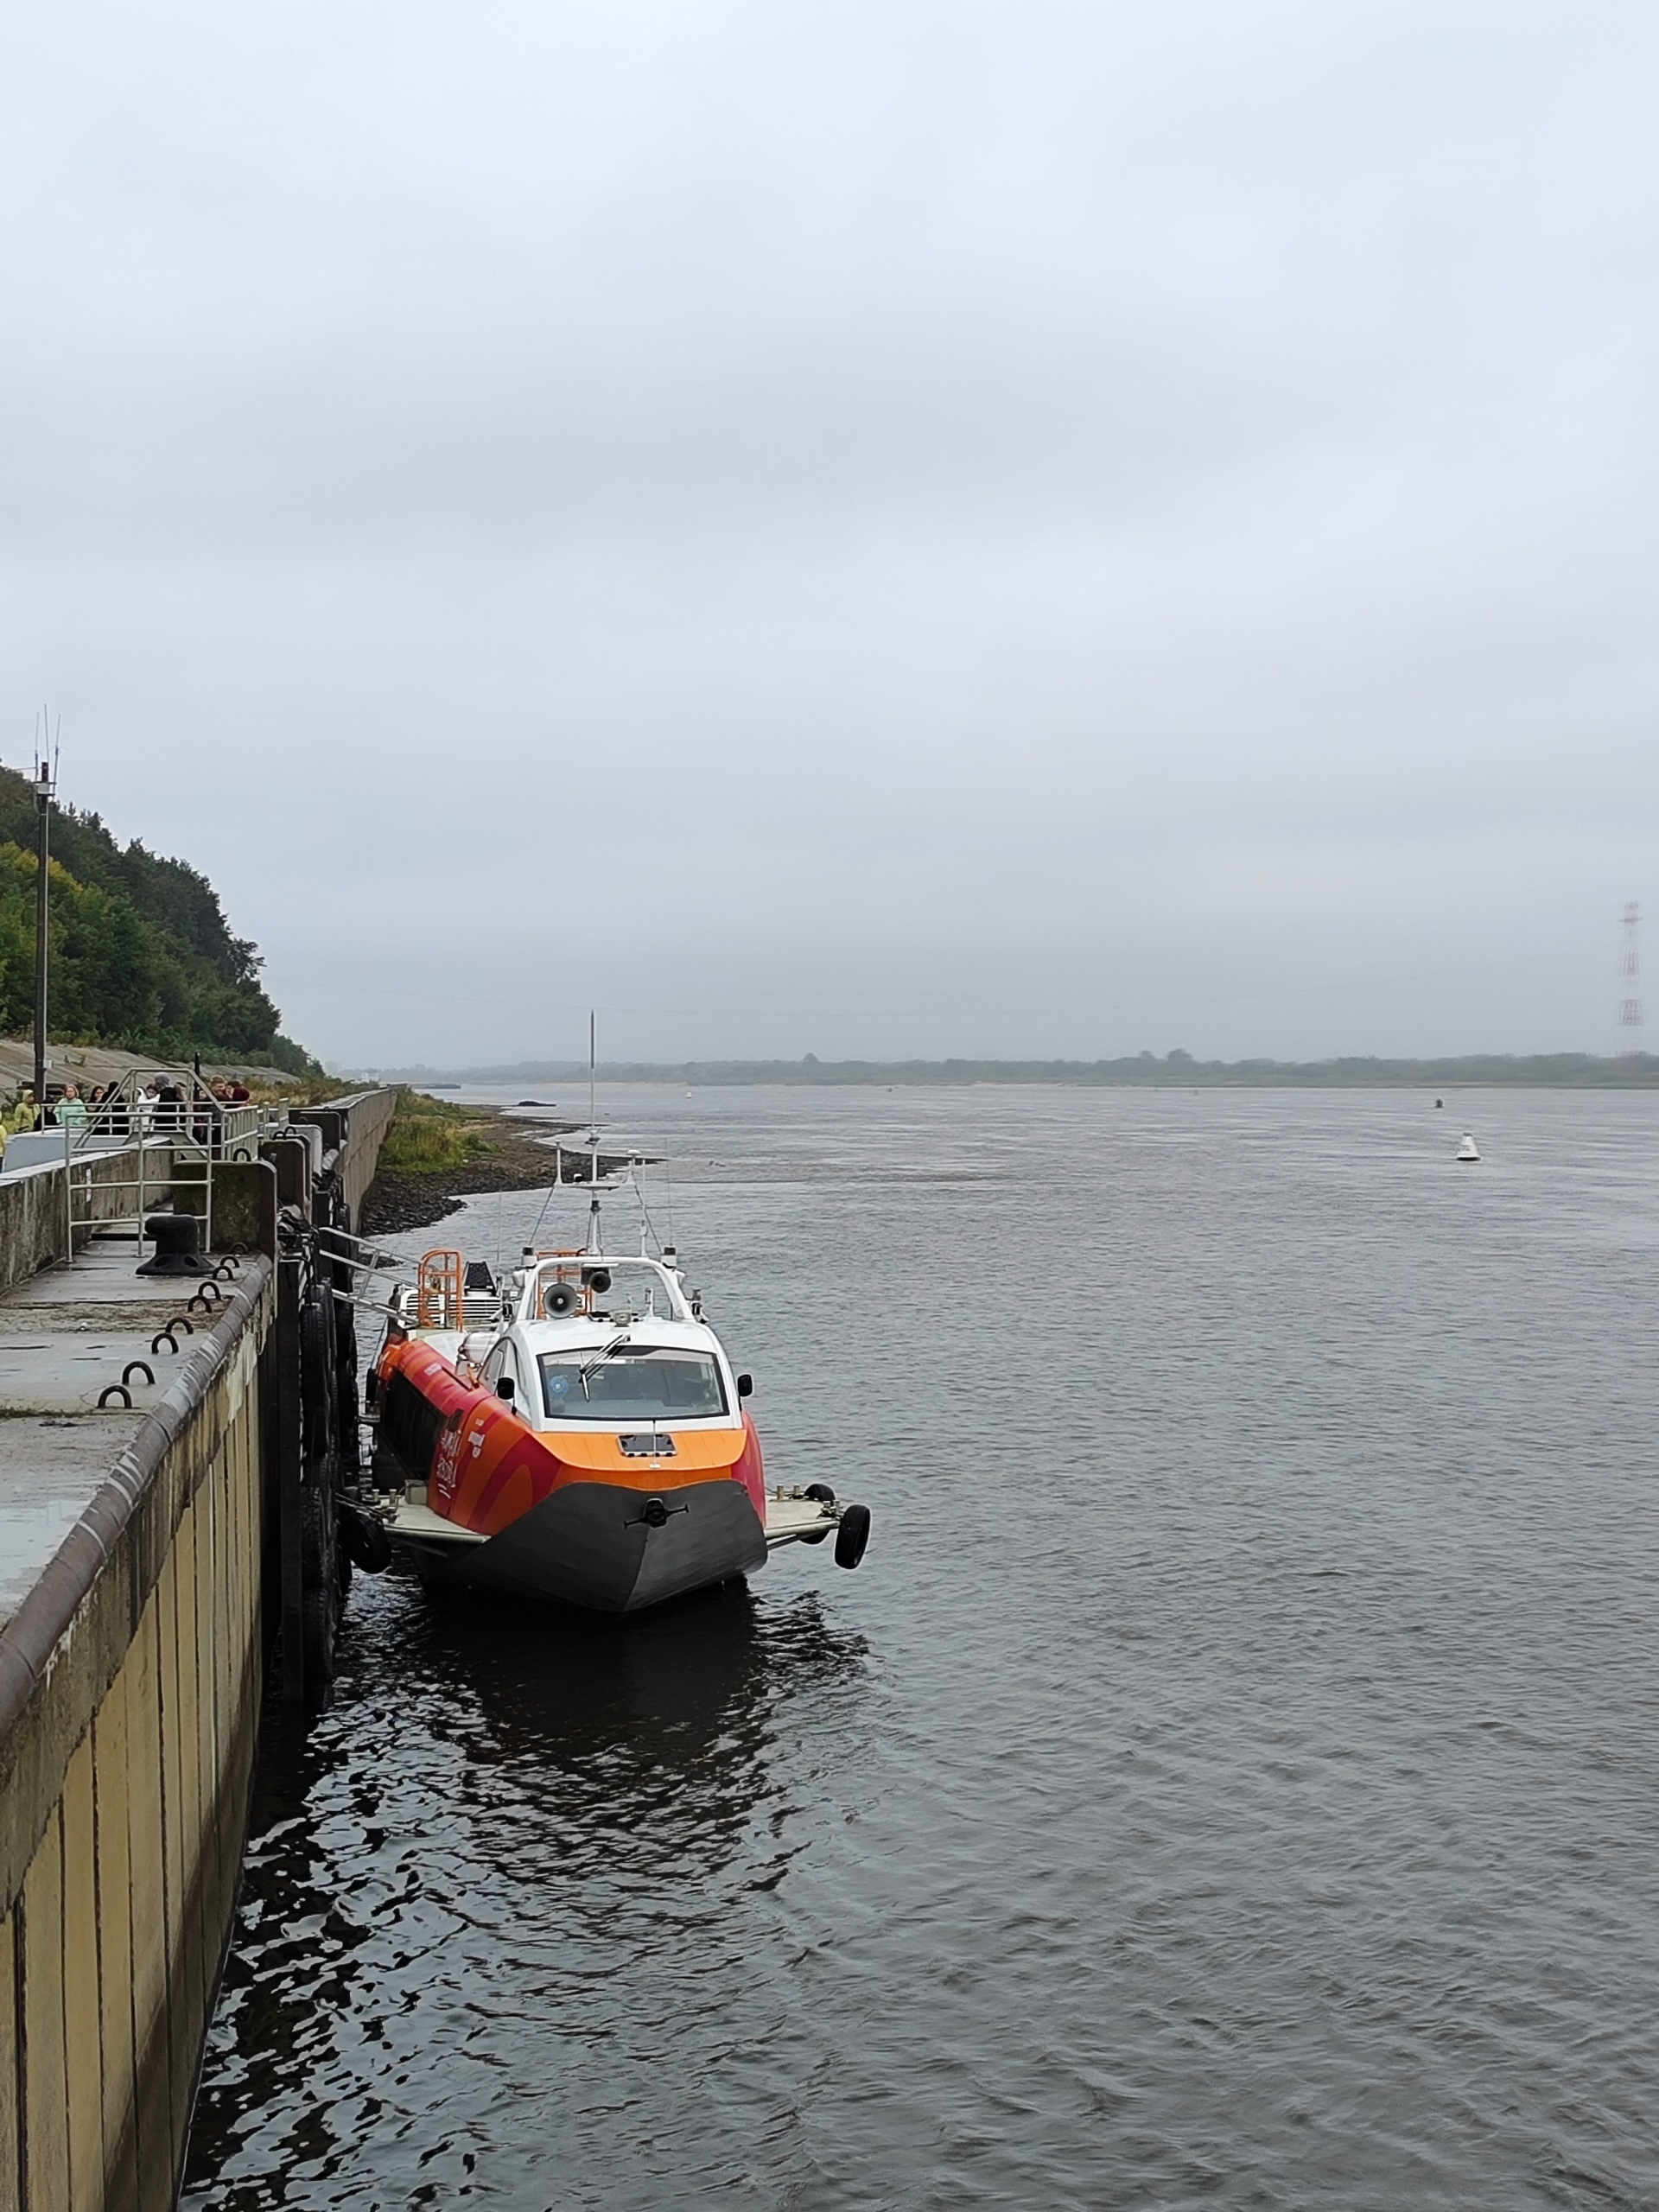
[559, 1686]
[519, 1834]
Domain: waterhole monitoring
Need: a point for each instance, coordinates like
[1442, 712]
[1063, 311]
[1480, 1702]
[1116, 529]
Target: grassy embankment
[432, 1136]
[437, 1153]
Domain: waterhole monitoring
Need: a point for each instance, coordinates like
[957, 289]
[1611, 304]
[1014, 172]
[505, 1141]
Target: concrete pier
[139, 1583]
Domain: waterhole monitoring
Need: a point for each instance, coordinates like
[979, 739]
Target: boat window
[501, 1362]
[632, 1385]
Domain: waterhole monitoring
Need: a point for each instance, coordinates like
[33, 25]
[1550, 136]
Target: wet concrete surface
[66, 1336]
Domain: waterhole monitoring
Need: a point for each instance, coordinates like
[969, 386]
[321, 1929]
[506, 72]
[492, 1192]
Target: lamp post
[42, 843]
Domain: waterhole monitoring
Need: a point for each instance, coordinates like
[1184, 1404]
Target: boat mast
[592, 1135]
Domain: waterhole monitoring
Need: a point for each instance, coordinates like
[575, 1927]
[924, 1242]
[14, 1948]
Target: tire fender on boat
[364, 1539]
[852, 1536]
[821, 1494]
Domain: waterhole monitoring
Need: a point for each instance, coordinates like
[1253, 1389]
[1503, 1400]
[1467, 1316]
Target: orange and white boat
[578, 1433]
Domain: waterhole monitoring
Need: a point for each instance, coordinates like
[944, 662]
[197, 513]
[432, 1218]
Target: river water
[1231, 1779]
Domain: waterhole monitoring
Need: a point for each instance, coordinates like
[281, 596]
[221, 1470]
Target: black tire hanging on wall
[317, 1381]
[311, 1537]
[317, 1637]
[351, 1447]
[319, 1539]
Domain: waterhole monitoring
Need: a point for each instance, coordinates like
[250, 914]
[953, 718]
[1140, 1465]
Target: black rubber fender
[316, 1551]
[364, 1539]
[317, 1379]
[852, 1536]
[823, 1495]
[317, 1643]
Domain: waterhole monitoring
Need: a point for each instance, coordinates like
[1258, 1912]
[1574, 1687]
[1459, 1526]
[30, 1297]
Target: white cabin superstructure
[578, 1431]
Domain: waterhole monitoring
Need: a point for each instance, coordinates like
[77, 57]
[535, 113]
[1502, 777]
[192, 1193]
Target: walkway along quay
[177, 1426]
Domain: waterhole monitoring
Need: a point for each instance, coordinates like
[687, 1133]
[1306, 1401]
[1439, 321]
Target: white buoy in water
[1468, 1149]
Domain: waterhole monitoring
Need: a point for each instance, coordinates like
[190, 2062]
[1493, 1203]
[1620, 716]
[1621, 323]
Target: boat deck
[789, 1519]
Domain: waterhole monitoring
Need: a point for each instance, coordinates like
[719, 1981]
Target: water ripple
[1230, 1780]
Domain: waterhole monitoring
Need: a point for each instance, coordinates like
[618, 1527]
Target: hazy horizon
[894, 531]
[1175, 1069]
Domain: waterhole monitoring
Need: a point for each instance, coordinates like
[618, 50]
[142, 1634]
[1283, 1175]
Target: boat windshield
[635, 1383]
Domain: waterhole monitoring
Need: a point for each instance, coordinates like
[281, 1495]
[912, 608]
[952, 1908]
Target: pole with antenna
[1629, 969]
[592, 1137]
[44, 784]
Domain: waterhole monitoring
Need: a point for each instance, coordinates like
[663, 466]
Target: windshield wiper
[592, 1366]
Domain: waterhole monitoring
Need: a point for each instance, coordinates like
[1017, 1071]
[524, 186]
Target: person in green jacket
[15, 1119]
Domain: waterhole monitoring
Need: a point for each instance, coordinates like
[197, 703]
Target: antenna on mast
[592, 1113]
[1629, 969]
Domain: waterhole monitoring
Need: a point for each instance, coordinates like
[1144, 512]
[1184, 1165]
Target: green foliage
[429, 1136]
[294, 1059]
[421, 1105]
[141, 956]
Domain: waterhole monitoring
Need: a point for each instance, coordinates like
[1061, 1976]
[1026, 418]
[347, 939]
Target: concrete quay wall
[34, 1215]
[129, 1686]
[130, 1681]
[355, 1128]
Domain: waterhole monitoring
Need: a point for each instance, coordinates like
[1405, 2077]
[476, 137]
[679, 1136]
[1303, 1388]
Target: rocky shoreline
[516, 1157]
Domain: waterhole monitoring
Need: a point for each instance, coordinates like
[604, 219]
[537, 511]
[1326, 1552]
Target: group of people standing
[68, 1110]
[166, 1104]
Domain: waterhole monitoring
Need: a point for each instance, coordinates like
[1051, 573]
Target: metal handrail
[198, 1129]
[197, 1119]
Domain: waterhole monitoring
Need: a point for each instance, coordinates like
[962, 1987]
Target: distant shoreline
[1176, 1070]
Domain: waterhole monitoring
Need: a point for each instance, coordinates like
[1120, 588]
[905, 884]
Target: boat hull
[590, 1544]
[555, 1514]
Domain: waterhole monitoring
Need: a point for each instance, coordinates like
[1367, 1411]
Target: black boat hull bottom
[595, 1545]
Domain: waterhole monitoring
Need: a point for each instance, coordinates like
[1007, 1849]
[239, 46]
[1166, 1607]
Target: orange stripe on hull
[491, 1467]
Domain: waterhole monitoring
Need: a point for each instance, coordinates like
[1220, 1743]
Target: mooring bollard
[177, 1239]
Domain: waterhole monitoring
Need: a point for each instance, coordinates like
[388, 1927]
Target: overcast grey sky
[860, 529]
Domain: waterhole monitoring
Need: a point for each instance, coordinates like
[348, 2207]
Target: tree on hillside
[142, 956]
[176, 897]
